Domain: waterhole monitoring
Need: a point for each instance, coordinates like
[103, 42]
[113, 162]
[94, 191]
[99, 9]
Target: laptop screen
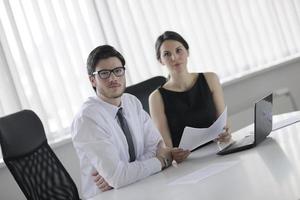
[263, 118]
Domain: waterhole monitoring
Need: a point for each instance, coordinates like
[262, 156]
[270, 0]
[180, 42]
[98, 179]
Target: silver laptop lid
[263, 118]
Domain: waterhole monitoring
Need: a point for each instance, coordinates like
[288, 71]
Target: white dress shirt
[102, 146]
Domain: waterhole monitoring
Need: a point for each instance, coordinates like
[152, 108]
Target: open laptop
[262, 127]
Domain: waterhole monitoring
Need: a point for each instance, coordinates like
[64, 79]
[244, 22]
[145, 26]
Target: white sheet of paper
[201, 174]
[194, 137]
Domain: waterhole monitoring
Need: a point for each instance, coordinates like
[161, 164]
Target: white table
[270, 171]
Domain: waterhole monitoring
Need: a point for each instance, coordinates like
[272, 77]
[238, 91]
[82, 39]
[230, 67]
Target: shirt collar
[111, 109]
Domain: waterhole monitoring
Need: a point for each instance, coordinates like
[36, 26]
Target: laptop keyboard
[245, 141]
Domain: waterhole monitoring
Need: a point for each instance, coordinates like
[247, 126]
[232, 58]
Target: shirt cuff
[153, 165]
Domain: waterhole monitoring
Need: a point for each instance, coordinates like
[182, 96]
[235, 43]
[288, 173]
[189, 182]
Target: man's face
[112, 87]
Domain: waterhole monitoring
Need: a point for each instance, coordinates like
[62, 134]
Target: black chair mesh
[41, 176]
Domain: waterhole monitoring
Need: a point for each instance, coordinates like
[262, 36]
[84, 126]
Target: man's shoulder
[132, 104]
[130, 99]
[90, 112]
[90, 103]
[128, 96]
[89, 107]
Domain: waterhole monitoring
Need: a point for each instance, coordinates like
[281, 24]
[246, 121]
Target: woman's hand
[179, 154]
[225, 136]
[100, 182]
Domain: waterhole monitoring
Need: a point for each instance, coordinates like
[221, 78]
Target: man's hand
[179, 154]
[100, 182]
[164, 155]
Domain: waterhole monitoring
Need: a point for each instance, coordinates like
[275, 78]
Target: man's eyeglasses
[105, 73]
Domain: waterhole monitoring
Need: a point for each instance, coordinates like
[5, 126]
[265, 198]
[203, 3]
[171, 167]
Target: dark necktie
[128, 136]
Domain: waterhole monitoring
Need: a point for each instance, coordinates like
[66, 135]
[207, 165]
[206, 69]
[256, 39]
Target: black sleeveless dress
[194, 108]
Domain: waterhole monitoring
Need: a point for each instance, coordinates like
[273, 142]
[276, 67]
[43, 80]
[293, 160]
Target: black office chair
[33, 164]
[143, 89]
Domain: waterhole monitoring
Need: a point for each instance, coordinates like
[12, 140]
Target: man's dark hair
[169, 35]
[100, 53]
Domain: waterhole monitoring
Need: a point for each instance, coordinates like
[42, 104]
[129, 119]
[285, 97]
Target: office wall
[239, 96]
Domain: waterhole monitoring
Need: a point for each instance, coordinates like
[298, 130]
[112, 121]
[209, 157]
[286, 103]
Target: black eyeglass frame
[114, 70]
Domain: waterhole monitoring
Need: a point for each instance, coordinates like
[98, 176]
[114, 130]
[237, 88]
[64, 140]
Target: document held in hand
[195, 137]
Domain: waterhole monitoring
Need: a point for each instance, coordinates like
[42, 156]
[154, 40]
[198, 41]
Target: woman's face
[174, 55]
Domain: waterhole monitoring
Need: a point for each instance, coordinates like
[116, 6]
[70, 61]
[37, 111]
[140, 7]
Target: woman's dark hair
[100, 53]
[169, 35]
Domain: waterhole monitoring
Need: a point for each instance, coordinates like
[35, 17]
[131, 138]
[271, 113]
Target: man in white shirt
[115, 139]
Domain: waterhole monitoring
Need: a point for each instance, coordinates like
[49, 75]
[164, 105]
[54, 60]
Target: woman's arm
[157, 112]
[158, 115]
[216, 90]
[218, 98]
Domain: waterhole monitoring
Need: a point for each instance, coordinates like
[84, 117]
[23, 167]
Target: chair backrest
[143, 89]
[31, 161]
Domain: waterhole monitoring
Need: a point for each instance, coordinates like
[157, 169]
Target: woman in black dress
[186, 99]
